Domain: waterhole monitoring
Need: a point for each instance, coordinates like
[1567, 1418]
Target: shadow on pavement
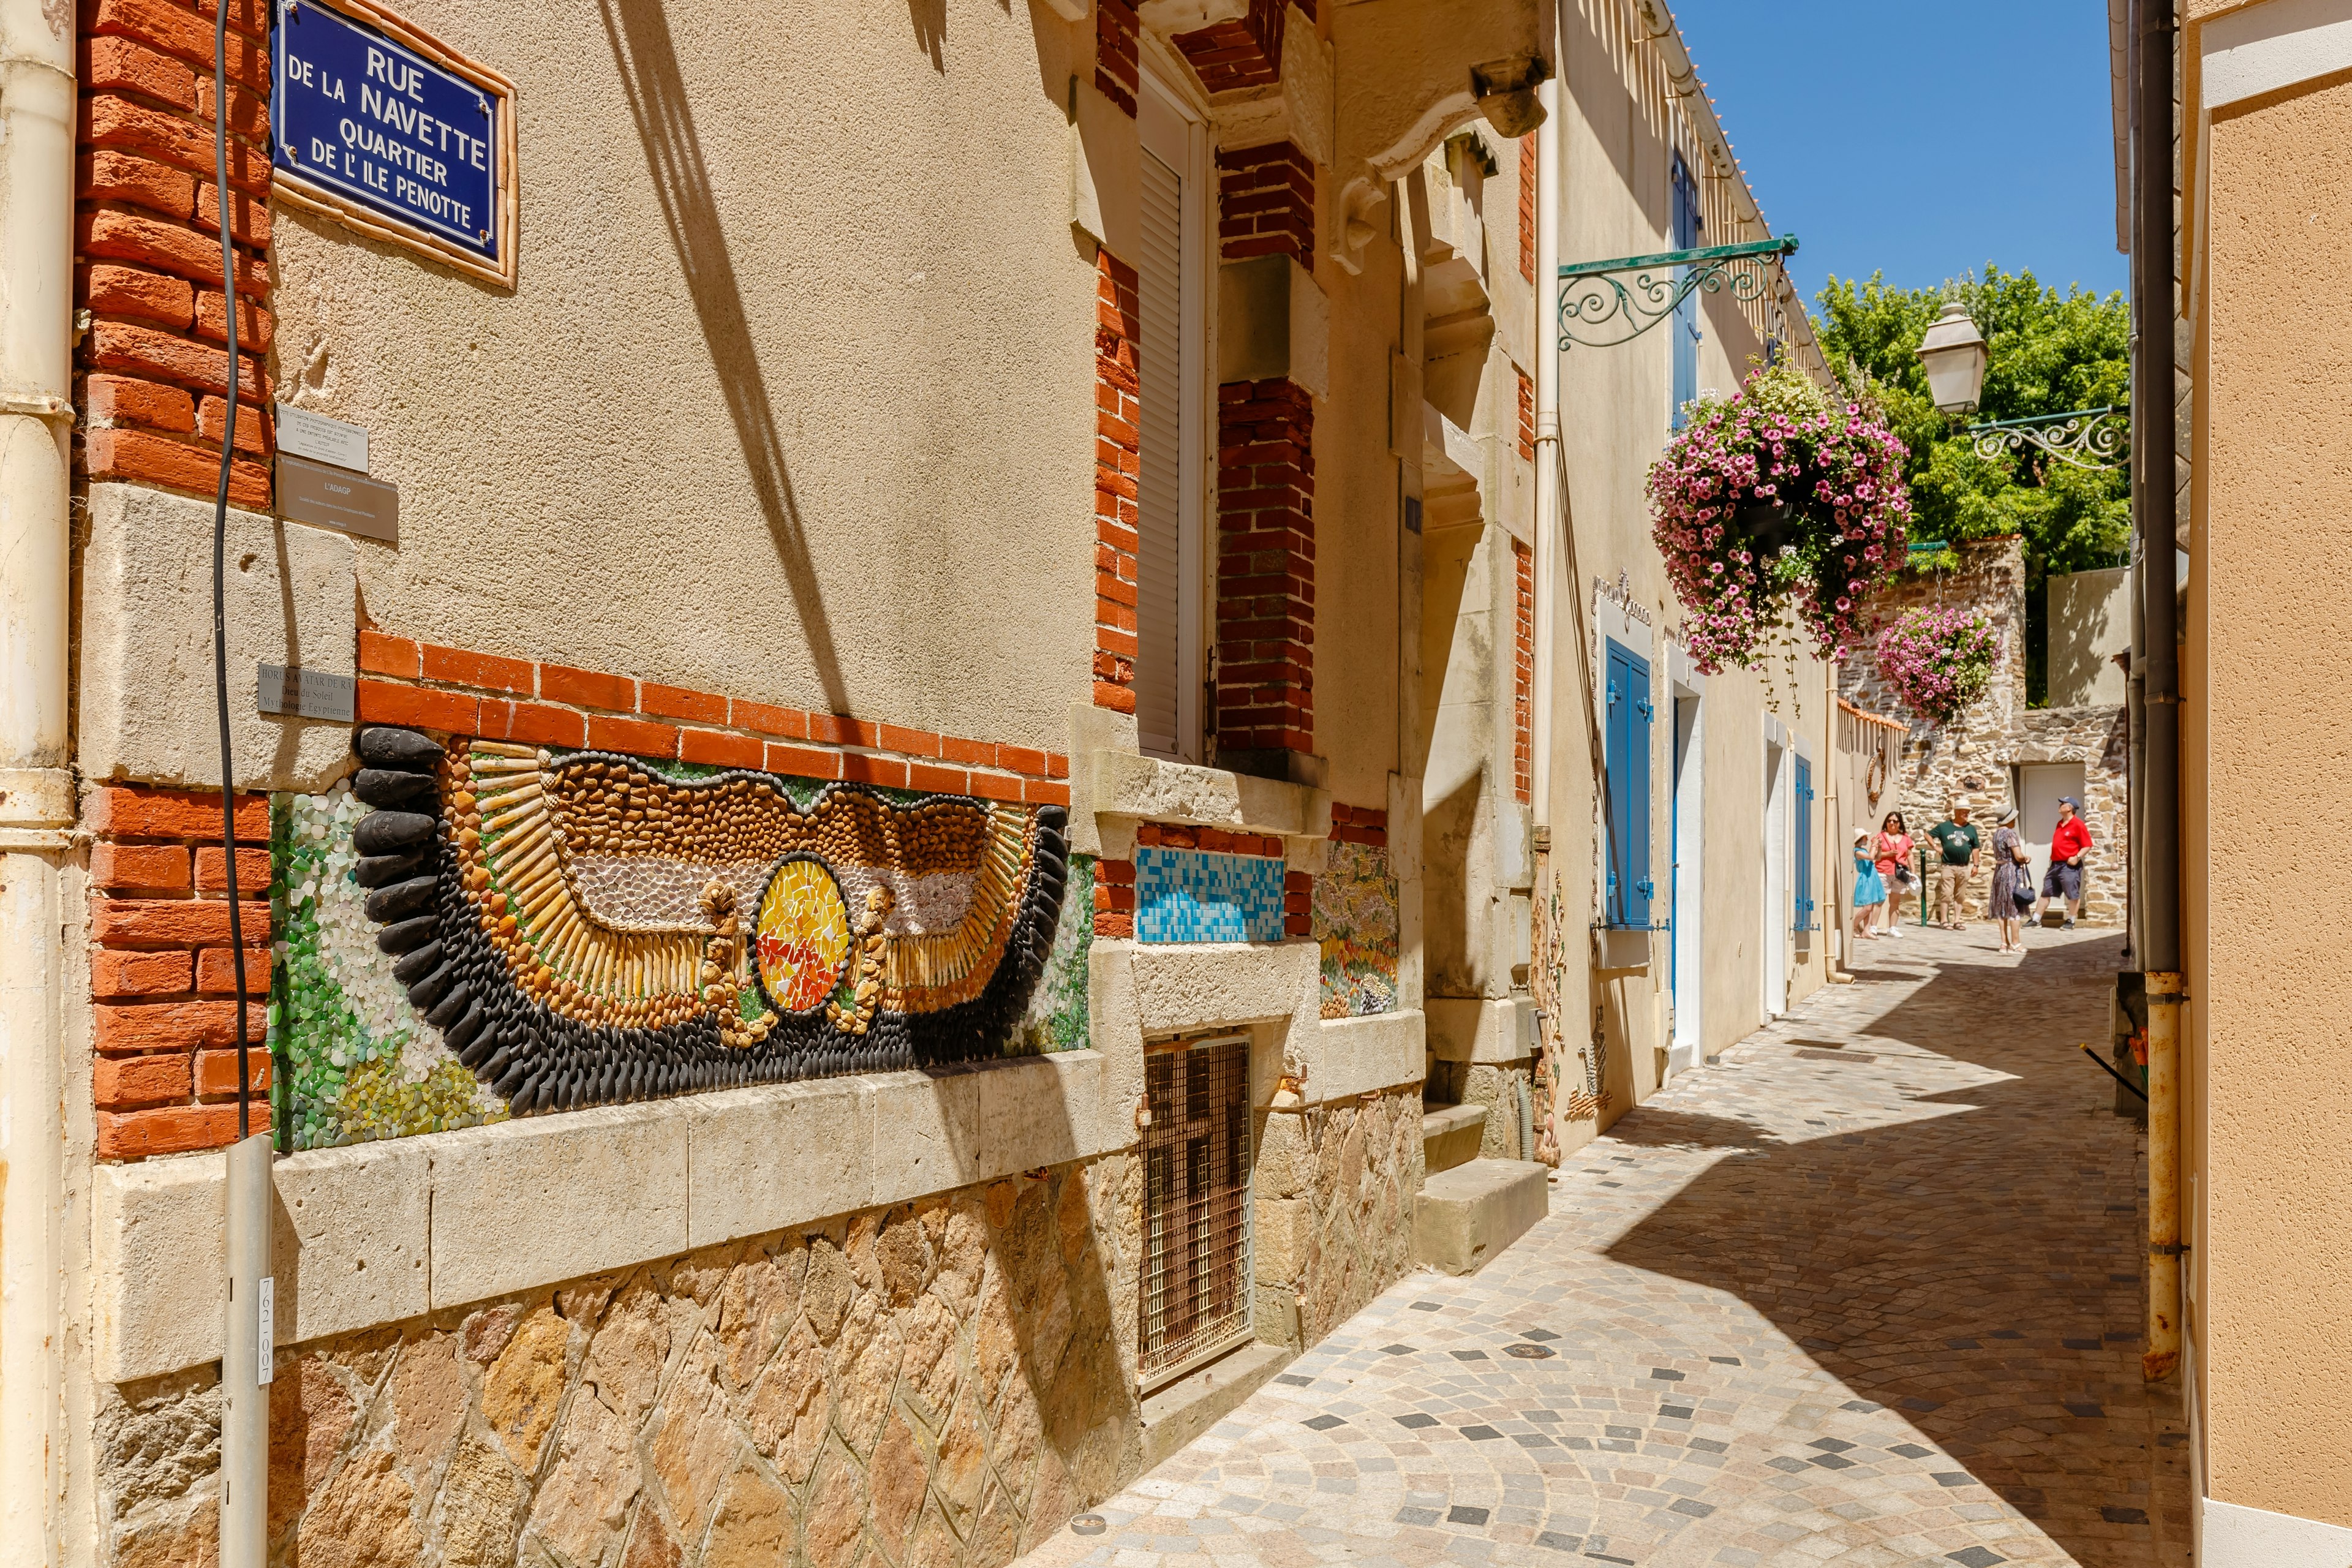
[1976, 1268]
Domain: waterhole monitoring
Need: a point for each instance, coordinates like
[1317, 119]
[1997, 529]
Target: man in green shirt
[1959, 840]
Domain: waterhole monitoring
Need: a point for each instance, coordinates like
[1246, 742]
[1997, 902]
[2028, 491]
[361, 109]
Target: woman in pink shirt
[1894, 852]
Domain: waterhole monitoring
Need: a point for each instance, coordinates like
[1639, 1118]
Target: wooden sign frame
[290, 187]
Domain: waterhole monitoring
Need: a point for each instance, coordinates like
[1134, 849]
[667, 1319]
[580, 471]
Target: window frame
[1172, 128]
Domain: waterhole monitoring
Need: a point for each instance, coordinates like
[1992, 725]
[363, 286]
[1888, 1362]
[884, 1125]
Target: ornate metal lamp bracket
[2086, 437]
[1604, 303]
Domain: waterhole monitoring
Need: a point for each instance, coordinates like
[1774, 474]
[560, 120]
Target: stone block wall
[1334, 1195]
[1972, 759]
[940, 1385]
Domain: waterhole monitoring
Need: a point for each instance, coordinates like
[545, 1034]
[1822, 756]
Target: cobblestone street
[1864, 1291]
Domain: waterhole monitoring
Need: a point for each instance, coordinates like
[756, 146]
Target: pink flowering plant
[1783, 500]
[1938, 661]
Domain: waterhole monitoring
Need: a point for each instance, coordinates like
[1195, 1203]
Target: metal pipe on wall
[36, 794]
[2153, 497]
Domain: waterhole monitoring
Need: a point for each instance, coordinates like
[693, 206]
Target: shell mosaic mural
[587, 928]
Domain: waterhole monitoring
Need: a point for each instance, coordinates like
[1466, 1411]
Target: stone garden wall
[934, 1385]
[1972, 759]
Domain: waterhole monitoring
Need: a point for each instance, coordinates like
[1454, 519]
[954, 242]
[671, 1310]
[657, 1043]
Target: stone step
[1450, 1135]
[1174, 1416]
[1466, 1216]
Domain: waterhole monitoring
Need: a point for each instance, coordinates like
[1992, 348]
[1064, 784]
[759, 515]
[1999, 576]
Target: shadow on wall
[1976, 1271]
[931, 19]
[639, 32]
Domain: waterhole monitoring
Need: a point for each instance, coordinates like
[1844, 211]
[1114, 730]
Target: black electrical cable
[220, 553]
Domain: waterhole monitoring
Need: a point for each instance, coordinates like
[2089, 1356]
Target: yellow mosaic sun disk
[803, 936]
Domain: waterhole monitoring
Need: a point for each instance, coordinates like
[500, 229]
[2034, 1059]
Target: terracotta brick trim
[1265, 202]
[1527, 175]
[153, 365]
[1118, 466]
[1359, 825]
[460, 692]
[162, 986]
[1214, 840]
[1243, 53]
[1119, 67]
[1523, 672]
[1265, 567]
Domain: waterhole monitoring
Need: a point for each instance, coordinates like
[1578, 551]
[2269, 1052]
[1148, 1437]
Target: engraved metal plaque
[321, 439]
[306, 693]
[337, 498]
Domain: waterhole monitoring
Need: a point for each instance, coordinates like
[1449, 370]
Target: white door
[1689, 815]
[1775, 913]
[2039, 786]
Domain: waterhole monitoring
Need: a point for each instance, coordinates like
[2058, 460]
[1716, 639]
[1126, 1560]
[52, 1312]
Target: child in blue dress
[1869, 887]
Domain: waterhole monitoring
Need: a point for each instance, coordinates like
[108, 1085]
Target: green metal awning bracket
[1616, 301]
[2086, 437]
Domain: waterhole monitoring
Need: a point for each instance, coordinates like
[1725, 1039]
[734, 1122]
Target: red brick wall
[1115, 898]
[1265, 567]
[450, 689]
[1243, 53]
[1118, 72]
[1359, 825]
[154, 365]
[1119, 444]
[1528, 206]
[1265, 202]
[1523, 673]
[161, 977]
[1526, 414]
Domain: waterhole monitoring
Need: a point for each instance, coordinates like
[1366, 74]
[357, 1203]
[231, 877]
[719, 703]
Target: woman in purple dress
[2009, 868]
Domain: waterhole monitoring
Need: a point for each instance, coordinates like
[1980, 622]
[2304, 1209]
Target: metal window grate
[1196, 1295]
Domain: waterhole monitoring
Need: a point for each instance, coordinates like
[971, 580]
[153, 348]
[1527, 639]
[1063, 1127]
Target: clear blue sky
[1920, 139]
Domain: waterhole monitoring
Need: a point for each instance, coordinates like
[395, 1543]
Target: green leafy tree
[2047, 353]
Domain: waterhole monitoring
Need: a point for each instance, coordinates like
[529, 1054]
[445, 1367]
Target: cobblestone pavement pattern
[1864, 1291]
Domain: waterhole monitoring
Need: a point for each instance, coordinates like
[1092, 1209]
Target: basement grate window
[1196, 1279]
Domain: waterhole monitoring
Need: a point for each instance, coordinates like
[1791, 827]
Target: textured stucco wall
[1616, 162]
[2090, 623]
[793, 398]
[2269, 658]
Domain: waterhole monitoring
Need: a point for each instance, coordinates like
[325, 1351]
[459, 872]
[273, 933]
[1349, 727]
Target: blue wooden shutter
[1804, 878]
[1626, 898]
[1685, 330]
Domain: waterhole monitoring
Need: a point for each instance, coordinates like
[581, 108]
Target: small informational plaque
[379, 125]
[302, 693]
[321, 439]
[336, 498]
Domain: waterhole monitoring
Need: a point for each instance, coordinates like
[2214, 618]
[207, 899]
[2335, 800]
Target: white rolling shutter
[1159, 676]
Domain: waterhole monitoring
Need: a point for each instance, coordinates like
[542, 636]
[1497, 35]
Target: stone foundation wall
[939, 1384]
[1335, 1188]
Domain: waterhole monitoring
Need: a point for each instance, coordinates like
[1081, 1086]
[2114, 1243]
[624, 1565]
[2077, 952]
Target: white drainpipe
[36, 796]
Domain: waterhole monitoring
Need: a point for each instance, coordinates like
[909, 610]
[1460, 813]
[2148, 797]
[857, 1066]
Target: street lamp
[1953, 355]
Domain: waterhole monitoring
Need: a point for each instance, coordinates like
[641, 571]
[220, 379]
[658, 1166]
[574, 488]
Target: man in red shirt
[2070, 841]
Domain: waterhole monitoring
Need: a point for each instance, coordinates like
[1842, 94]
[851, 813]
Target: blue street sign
[355, 114]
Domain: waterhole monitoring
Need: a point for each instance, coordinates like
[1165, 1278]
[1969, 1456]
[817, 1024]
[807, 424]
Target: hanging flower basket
[1938, 661]
[1778, 501]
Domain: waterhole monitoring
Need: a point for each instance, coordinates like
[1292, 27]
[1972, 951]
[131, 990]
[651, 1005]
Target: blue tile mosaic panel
[1193, 895]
